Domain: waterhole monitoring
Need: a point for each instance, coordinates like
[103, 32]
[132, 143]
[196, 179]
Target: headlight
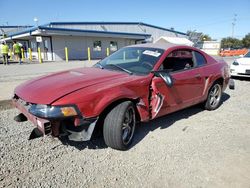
[52, 112]
[235, 63]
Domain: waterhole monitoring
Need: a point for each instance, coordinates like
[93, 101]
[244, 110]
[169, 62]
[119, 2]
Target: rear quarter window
[200, 59]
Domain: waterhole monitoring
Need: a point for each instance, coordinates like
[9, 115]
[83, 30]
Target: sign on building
[39, 39]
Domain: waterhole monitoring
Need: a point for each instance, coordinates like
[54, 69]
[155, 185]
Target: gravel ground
[190, 148]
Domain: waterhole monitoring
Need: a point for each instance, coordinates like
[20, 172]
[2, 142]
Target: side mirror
[165, 76]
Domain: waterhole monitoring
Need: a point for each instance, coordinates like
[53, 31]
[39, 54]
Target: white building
[175, 40]
[210, 47]
[79, 36]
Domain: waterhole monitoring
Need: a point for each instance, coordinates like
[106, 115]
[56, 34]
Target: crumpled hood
[47, 89]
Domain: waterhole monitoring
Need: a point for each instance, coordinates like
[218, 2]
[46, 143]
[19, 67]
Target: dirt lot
[191, 148]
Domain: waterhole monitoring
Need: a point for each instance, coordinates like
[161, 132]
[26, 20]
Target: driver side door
[187, 88]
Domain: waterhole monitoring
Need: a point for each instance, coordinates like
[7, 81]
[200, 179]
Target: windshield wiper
[100, 65]
[121, 68]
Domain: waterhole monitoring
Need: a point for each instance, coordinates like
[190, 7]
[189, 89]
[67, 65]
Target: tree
[205, 37]
[197, 37]
[230, 42]
[246, 41]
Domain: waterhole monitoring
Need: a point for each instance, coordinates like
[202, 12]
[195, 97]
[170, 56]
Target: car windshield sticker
[152, 53]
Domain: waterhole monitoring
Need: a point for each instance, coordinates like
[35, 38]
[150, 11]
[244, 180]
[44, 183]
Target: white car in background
[241, 66]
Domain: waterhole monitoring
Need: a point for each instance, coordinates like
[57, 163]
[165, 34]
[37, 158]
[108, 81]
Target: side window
[200, 59]
[178, 60]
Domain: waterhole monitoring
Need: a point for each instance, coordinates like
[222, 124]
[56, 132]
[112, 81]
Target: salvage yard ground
[190, 148]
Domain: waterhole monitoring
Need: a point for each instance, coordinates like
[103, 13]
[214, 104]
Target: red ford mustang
[135, 84]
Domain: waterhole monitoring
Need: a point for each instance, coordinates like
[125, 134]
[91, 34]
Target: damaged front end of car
[63, 120]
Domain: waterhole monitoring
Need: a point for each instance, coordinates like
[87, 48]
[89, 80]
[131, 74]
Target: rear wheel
[119, 126]
[214, 97]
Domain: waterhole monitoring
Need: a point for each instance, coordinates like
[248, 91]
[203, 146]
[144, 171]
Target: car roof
[161, 45]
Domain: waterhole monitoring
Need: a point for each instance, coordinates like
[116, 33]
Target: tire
[119, 126]
[214, 97]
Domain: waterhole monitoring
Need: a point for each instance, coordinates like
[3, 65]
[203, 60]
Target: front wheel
[214, 97]
[119, 126]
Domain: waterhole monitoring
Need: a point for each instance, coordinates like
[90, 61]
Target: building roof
[15, 26]
[94, 31]
[48, 29]
[115, 23]
[6, 29]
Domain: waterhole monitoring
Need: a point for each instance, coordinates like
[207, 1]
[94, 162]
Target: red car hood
[47, 89]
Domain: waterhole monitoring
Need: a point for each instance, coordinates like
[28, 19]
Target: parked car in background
[135, 84]
[241, 66]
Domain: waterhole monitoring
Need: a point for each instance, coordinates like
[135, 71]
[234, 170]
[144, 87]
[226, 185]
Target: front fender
[116, 95]
[93, 102]
[141, 102]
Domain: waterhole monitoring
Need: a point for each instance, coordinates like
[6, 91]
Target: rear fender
[222, 76]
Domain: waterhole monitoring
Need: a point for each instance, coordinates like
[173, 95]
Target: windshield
[248, 54]
[132, 60]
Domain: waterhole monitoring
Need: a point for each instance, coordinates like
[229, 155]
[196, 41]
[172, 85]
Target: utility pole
[233, 24]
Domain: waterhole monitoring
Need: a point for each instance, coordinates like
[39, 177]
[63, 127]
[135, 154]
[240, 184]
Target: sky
[214, 17]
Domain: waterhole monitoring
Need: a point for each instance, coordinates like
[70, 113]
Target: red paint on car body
[93, 90]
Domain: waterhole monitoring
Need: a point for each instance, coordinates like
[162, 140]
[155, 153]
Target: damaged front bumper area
[64, 121]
